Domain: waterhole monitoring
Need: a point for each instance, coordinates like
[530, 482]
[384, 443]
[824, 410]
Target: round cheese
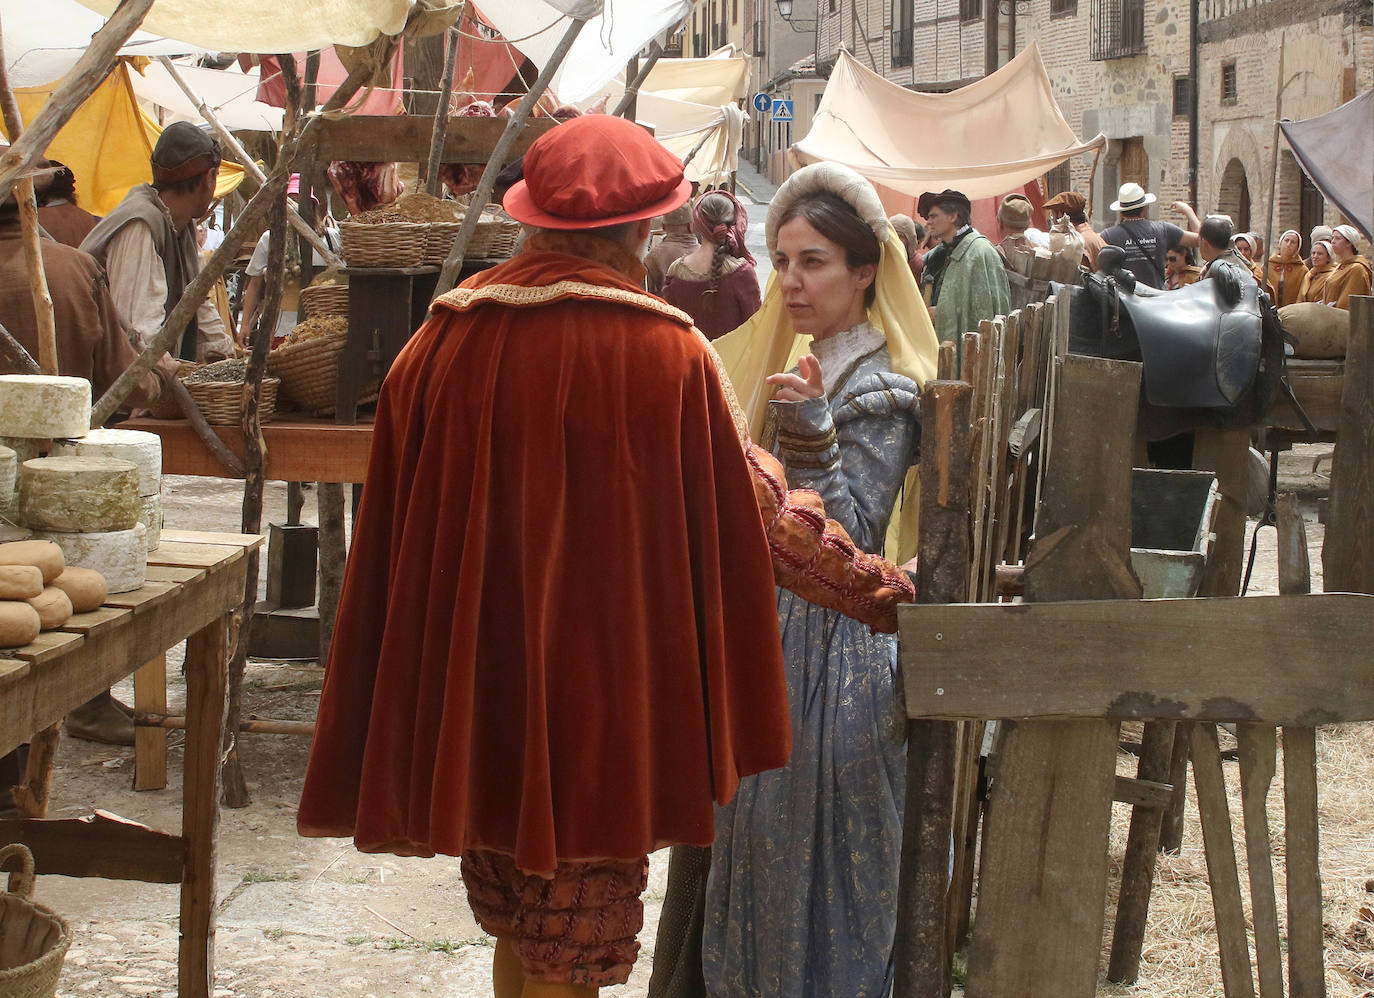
[23, 447]
[150, 514]
[78, 494]
[121, 556]
[46, 555]
[84, 587]
[9, 478]
[20, 581]
[19, 624]
[53, 606]
[141, 449]
[44, 406]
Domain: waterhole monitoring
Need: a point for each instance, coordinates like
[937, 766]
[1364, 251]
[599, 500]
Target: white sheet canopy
[984, 139]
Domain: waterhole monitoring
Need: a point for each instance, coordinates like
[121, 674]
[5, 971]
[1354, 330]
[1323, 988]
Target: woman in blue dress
[802, 894]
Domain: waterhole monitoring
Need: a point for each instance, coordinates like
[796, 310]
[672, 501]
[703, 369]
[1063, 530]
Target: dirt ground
[308, 918]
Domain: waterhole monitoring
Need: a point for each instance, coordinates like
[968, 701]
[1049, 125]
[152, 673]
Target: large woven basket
[166, 406]
[383, 244]
[493, 239]
[33, 939]
[324, 299]
[309, 373]
[221, 402]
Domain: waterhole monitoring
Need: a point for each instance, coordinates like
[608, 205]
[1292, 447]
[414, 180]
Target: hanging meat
[462, 178]
[365, 185]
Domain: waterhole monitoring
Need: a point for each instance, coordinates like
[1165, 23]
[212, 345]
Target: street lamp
[785, 9]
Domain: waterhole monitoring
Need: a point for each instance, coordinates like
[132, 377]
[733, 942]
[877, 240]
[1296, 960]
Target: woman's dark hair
[835, 218]
[716, 209]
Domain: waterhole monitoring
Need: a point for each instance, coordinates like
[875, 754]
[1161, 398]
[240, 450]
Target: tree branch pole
[28, 228]
[14, 356]
[239, 153]
[1269, 246]
[436, 138]
[88, 73]
[627, 99]
[248, 225]
[449, 275]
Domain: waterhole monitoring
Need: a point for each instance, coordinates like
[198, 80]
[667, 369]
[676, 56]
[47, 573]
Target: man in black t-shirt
[1145, 242]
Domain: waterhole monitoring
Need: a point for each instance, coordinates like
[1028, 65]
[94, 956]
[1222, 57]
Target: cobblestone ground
[310, 918]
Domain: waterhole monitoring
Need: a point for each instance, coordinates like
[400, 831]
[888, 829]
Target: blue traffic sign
[762, 102]
[782, 110]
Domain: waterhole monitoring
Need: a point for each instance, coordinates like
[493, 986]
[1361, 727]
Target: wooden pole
[248, 226]
[255, 726]
[922, 958]
[448, 277]
[239, 153]
[626, 105]
[1348, 549]
[436, 136]
[14, 356]
[1274, 166]
[88, 73]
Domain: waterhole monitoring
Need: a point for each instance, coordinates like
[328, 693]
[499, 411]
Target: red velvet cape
[558, 633]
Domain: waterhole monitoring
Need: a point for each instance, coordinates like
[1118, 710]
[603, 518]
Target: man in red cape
[557, 644]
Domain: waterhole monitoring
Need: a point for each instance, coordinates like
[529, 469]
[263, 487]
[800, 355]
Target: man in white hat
[1144, 241]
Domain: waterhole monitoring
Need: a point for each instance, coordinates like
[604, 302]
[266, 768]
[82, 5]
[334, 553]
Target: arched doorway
[1233, 196]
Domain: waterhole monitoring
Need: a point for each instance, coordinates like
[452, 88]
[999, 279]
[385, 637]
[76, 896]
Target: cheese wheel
[84, 587]
[9, 478]
[20, 581]
[78, 494]
[141, 449]
[19, 624]
[44, 405]
[121, 556]
[150, 514]
[45, 554]
[23, 447]
[53, 606]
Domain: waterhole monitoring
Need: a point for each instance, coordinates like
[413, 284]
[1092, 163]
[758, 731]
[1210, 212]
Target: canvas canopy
[229, 93]
[985, 139]
[1336, 150]
[107, 142]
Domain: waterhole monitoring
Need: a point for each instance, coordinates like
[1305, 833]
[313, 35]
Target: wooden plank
[1227, 453]
[146, 597]
[1142, 849]
[1145, 794]
[922, 958]
[298, 450]
[12, 670]
[1171, 831]
[1221, 863]
[48, 646]
[1306, 967]
[31, 795]
[169, 573]
[96, 621]
[1348, 548]
[1162, 660]
[1256, 741]
[1047, 826]
[101, 845]
[247, 541]
[406, 138]
[150, 744]
[208, 556]
[207, 697]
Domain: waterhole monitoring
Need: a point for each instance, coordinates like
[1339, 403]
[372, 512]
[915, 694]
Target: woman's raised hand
[798, 388]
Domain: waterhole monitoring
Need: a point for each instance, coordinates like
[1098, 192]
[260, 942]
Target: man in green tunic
[967, 282]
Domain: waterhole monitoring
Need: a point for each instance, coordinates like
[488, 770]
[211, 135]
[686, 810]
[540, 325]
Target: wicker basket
[221, 402]
[309, 373]
[384, 244]
[33, 939]
[493, 239]
[324, 299]
[166, 406]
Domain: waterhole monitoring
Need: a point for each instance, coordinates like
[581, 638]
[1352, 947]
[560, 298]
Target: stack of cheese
[90, 504]
[143, 451]
[39, 592]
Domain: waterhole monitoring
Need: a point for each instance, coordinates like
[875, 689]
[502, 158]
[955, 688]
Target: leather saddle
[1212, 352]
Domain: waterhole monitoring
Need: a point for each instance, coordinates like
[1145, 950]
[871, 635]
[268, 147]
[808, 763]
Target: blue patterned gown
[802, 896]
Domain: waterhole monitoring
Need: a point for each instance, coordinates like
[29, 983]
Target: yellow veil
[767, 343]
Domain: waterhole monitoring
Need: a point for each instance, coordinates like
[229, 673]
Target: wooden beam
[1348, 549]
[1148, 795]
[436, 139]
[102, 845]
[1256, 741]
[1162, 660]
[1306, 967]
[378, 138]
[1043, 886]
[298, 450]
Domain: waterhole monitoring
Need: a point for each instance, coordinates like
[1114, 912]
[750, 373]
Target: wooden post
[38, 279]
[1046, 831]
[436, 138]
[1348, 548]
[329, 499]
[449, 275]
[88, 73]
[1257, 749]
[626, 105]
[150, 744]
[1226, 453]
[31, 796]
[922, 959]
[14, 356]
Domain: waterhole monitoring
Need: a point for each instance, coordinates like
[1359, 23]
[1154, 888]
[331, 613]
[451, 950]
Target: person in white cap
[1144, 241]
[1352, 273]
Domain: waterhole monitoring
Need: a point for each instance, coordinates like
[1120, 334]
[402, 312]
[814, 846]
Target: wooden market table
[299, 449]
[195, 583]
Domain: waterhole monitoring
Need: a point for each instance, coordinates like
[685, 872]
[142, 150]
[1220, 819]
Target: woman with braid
[716, 283]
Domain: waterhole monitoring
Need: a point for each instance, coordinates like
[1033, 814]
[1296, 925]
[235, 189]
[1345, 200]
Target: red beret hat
[594, 171]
